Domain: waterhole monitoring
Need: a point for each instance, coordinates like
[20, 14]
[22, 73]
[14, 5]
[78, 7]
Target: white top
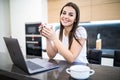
[80, 33]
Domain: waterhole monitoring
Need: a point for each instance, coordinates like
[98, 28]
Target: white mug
[80, 71]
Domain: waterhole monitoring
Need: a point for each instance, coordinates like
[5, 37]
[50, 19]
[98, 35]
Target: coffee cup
[80, 71]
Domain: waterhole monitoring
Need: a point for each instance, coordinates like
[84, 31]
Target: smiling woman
[70, 40]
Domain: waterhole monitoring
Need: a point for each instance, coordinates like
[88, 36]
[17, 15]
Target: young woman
[70, 40]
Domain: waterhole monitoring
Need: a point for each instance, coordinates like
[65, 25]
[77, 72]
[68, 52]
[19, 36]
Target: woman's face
[68, 16]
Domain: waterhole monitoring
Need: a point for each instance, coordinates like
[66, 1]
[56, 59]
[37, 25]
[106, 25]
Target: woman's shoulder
[81, 32]
[81, 28]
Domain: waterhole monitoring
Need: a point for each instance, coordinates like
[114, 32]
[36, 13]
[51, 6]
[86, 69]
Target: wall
[4, 21]
[13, 16]
[90, 10]
[26, 11]
[4, 28]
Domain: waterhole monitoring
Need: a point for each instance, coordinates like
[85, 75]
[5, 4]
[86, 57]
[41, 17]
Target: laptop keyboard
[33, 66]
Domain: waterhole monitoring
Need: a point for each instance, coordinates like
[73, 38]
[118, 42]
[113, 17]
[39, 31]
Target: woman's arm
[69, 55]
[50, 48]
[72, 54]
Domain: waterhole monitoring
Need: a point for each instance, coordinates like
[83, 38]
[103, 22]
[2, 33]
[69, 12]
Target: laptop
[30, 66]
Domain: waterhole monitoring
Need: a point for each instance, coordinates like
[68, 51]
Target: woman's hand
[49, 33]
[40, 28]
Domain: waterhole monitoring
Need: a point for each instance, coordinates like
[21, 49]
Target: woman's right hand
[40, 28]
[49, 33]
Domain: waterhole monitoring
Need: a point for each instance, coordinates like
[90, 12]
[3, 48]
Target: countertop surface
[101, 72]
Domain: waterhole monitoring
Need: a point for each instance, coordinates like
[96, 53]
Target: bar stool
[116, 58]
[94, 56]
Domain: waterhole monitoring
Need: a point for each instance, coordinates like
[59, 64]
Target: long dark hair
[75, 24]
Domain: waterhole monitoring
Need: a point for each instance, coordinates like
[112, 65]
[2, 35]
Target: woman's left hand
[49, 33]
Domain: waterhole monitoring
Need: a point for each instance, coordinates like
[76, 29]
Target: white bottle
[98, 42]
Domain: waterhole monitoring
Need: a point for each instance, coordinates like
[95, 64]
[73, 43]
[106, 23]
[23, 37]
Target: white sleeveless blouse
[80, 33]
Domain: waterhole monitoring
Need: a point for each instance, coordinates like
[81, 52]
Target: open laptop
[30, 66]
